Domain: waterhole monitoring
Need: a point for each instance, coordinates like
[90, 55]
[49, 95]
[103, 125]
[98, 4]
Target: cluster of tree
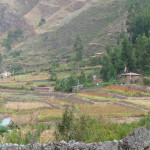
[67, 83]
[12, 37]
[133, 54]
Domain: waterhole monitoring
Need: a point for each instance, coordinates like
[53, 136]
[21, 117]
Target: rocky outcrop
[8, 17]
[138, 140]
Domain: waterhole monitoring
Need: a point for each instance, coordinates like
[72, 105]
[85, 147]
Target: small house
[132, 78]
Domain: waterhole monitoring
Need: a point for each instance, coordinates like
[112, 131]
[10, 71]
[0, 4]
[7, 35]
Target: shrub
[87, 129]
[42, 21]
[32, 135]
[65, 127]
[15, 53]
[145, 121]
[53, 76]
[66, 84]
[146, 81]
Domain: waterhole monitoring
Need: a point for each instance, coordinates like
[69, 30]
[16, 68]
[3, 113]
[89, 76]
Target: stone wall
[138, 140]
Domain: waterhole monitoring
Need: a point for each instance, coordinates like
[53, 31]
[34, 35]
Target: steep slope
[96, 21]
[11, 12]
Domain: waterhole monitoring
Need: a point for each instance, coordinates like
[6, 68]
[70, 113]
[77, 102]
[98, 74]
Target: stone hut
[132, 78]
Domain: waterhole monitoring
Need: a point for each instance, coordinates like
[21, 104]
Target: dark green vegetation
[42, 22]
[67, 83]
[78, 48]
[133, 54]
[12, 37]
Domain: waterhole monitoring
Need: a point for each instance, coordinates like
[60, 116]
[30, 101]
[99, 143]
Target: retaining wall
[138, 140]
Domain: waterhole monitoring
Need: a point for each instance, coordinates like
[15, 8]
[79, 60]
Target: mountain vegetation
[49, 29]
[133, 53]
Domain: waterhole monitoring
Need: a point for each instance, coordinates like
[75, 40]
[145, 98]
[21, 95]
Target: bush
[32, 136]
[88, 85]
[42, 22]
[82, 77]
[89, 130]
[53, 76]
[15, 53]
[145, 121]
[66, 84]
[146, 81]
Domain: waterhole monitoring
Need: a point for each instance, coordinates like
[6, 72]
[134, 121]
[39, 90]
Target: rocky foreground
[138, 140]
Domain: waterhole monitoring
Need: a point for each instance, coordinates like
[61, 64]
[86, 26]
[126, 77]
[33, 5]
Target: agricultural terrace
[27, 107]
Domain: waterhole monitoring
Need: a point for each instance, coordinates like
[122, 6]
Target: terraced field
[24, 104]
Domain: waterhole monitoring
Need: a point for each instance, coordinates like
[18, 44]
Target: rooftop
[131, 74]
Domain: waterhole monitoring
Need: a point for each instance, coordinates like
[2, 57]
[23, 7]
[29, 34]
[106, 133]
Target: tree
[108, 71]
[66, 84]
[138, 18]
[141, 53]
[127, 55]
[42, 21]
[64, 128]
[82, 77]
[78, 48]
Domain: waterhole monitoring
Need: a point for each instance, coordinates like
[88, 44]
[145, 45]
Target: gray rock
[138, 140]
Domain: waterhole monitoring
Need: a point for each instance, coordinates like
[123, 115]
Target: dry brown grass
[1, 98]
[59, 102]
[52, 112]
[26, 119]
[110, 110]
[143, 103]
[24, 105]
[99, 94]
[47, 135]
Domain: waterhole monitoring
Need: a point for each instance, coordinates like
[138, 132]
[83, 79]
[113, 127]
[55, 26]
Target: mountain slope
[97, 22]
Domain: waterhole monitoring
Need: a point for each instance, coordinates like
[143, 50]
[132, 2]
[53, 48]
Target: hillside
[97, 22]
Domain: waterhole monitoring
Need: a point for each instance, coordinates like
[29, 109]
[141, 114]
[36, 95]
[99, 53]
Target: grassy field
[96, 98]
[108, 111]
[126, 91]
[24, 106]
[143, 103]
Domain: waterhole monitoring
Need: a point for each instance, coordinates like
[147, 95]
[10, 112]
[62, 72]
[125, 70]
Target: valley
[73, 70]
